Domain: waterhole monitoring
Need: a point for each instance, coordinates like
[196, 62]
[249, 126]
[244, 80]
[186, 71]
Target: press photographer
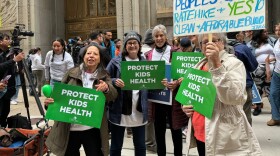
[7, 67]
[73, 47]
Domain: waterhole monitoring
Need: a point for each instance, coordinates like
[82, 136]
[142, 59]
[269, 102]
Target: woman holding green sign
[228, 132]
[65, 138]
[162, 113]
[130, 109]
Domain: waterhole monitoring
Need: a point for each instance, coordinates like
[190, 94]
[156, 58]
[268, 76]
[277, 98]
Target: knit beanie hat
[131, 35]
[149, 37]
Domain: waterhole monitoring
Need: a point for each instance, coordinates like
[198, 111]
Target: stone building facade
[49, 19]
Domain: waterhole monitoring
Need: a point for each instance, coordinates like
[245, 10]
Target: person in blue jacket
[130, 109]
[244, 54]
[109, 44]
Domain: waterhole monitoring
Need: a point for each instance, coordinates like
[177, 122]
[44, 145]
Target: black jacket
[7, 67]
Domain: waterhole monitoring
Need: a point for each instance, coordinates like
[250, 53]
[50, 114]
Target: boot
[272, 122]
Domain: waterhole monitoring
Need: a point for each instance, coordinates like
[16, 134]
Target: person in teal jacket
[109, 44]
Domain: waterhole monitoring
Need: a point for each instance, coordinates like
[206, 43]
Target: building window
[102, 8]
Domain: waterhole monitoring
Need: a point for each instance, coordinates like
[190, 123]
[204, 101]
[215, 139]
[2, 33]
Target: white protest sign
[215, 16]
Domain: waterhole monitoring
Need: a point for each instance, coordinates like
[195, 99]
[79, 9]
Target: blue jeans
[275, 96]
[18, 83]
[53, 81]
[117, 135]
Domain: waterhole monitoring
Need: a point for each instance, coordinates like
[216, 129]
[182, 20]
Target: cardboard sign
[78, 105]
[256, 95]
[182, 61]
[215, 16]
[142, 74]
[198, 90]
[162, 96]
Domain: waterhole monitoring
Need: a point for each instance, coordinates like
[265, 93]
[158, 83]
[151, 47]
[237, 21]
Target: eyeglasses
[132, 43]
[206, 41]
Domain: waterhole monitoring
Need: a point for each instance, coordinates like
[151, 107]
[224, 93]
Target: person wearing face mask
[57, 62]
[161, 113]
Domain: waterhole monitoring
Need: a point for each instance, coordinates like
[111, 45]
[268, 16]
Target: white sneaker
[13, 102]
[19, 101]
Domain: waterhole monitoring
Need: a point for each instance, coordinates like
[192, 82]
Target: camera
[19, 31]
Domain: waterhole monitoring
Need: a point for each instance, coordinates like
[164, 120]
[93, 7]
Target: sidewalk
[268, 137]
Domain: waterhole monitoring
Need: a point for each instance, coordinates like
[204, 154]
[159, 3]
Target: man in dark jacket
[96, 39]
[7, 62]
[244, 54]
[108, 43]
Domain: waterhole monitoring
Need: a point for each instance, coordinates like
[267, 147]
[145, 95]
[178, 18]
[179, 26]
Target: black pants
[163, 112]
[90, 139]
[5, 106]
[200, 147]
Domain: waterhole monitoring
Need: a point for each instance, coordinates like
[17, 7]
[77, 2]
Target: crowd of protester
[236, 60]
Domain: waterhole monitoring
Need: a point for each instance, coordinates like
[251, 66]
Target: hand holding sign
[212, 53]
[47, 90]
[170, 85]
[48, 101]
[188, 109]
[120, 83]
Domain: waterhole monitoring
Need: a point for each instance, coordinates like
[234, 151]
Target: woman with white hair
[162, 113]
[228, 132]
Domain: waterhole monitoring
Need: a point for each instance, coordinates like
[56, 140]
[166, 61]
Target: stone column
[47, 23]
[133, 15]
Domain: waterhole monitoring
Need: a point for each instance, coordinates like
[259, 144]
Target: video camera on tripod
[15, 49]
[19, 31]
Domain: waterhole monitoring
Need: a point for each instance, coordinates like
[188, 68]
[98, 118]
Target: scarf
[161, 49]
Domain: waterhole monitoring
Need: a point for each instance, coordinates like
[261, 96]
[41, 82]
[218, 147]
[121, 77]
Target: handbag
[18, 121]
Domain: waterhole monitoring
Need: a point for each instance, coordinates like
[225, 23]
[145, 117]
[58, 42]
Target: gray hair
[159, 28]
[221, 36]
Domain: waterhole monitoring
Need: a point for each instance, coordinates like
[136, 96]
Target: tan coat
[228, 133]
[58, 138]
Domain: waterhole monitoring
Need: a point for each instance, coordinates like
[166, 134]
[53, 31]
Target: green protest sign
[198, 90]
[182, 61]
[78, 105]
[142, 74]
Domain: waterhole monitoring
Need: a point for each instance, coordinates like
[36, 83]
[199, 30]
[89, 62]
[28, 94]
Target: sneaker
[18, 101]
[272, 122]
[13, 102]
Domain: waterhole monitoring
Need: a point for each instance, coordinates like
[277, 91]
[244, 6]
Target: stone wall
[8, 14]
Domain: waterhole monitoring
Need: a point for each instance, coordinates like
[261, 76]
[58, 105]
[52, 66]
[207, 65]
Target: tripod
[23, 70]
